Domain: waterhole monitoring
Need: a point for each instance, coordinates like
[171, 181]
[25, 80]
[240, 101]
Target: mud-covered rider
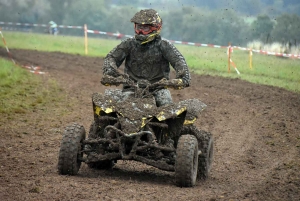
[147, 56]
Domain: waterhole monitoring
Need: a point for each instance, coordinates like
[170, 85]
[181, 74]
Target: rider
[147, 56]
[53, 28]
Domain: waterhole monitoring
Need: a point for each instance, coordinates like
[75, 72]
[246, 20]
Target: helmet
[147, 16]
[147, 24]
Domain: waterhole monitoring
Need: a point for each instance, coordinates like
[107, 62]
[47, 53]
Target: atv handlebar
[124, 79]
[108, 80]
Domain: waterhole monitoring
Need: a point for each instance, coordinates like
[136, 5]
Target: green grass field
[269, 70]
[21, 91]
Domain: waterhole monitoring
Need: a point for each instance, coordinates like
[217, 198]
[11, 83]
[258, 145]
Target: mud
[255, 128]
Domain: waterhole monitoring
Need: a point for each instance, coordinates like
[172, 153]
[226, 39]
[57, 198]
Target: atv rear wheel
[186, 165]
[70, 153]
[206, 146]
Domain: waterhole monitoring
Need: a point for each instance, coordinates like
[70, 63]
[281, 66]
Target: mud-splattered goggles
[144, 28]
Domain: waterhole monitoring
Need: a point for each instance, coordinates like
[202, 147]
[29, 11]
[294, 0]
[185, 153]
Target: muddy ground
[256, 130]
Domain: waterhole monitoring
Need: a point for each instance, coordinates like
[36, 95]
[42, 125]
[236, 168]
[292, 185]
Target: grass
[269, 70]
[49, 43]
[21, 91]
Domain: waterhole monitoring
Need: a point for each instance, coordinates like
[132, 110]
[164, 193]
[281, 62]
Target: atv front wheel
[186, 165]
[70, 153]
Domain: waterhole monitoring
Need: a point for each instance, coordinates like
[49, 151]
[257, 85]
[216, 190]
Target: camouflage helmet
[147, 16]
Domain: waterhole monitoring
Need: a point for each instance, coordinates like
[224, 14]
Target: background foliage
[214, 21]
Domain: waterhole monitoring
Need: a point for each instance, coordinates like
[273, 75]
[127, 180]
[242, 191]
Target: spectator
[53, 30]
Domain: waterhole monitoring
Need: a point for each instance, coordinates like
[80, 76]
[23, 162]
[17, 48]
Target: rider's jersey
[150, 61]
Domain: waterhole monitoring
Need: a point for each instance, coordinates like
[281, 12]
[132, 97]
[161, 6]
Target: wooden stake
[85, 39]
[250, 58]
[229, 52]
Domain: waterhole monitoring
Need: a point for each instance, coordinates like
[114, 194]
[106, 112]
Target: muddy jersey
[150, 61]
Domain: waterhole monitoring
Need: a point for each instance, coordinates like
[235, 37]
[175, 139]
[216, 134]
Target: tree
[230, 27]
[58, 10]
[203, 26]
[90, 12]
[261, 28]
[287, 28]
[118, 19]
[172, 24]
[248, 7]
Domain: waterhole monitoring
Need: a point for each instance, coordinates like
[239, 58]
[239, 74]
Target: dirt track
[256, 130]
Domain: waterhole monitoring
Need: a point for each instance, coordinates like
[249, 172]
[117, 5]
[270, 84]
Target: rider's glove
[178, 83]
[185, 82]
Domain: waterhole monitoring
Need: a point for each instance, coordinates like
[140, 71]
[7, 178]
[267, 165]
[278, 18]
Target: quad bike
[129, 126]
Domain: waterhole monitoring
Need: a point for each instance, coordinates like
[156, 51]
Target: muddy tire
[186, 165]
[206, 146]
[70, 153]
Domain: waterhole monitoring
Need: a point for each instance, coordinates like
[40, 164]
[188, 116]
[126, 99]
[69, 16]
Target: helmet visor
[144, 28]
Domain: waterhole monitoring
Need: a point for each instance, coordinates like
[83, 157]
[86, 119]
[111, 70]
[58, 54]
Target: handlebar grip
[174, 83]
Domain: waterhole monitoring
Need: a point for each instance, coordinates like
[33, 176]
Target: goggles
[144, 28]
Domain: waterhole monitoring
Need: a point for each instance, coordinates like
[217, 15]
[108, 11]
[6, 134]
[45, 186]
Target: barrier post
[85, 39]
[4, 42]
[250, 58]
[230, 62]
[229, 52]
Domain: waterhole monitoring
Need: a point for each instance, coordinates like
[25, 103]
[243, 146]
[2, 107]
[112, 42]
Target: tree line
[187, 22]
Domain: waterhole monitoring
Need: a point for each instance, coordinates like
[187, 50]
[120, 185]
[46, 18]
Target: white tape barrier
[119, 35]
[40, 25]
